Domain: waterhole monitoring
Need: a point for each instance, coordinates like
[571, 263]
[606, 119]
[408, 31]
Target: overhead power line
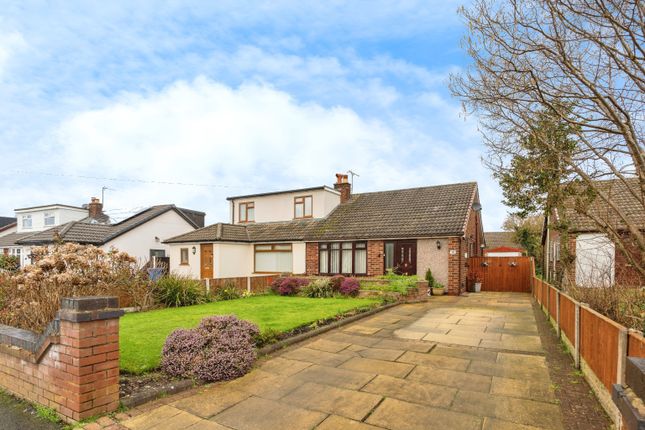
[132, 180]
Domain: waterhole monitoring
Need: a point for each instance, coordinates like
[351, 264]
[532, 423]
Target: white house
[140, 235]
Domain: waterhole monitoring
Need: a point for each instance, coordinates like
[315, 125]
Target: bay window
[273, 258]
[349, 258]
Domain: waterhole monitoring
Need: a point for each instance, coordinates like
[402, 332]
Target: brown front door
[206, 259]
[405, 257]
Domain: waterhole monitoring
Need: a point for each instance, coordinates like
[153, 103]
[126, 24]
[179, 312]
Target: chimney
[343, 185]
[95, 209]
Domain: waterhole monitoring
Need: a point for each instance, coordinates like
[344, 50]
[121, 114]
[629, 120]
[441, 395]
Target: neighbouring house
[7, 225]
[502, 244]
[140, 235]
[327, 231]
[596, 260]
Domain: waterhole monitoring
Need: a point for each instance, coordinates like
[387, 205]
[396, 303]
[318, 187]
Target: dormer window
[50, 218]
[247, 212]
[26, 221]
[303, 207]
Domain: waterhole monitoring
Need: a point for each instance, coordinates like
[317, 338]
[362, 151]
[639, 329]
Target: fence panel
[260, 284]
[599, 345]
[568, 317]
[552, 301]
[636, 345]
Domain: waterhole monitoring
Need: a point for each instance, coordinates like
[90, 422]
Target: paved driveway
[471, 362]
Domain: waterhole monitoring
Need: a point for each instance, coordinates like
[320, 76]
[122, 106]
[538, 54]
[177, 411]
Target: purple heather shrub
[220, 348]
[350, 287]
[291, 286]
[336, 281]
[275, 285]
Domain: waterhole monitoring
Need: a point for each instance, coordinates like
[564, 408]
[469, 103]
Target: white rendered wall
[192, 269]
[139, 241]
[595, 256]
[280, 207]
[232, 260]
[61, 216]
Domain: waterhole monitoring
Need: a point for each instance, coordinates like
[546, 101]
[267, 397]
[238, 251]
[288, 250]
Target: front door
[206, 259]
[401, 256]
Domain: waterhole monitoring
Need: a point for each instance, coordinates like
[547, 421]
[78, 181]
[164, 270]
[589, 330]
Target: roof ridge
[417, 188]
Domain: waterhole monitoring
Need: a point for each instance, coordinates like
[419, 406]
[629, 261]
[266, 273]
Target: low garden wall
[73, 366]
[250, 284]
[599, 345]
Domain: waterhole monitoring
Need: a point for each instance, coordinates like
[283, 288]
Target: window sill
[184, 264]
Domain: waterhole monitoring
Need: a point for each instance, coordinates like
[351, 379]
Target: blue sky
[232, 97]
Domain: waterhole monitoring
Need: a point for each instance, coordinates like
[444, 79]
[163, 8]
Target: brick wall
[454, 263]
[74, 367]
[626, 273]
[311, 256]
[375, 258]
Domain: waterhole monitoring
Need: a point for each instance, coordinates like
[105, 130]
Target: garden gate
[506, 274]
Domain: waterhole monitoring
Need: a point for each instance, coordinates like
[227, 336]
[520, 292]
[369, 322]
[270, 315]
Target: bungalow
[596, 258]
[140, 235]
[327, 231]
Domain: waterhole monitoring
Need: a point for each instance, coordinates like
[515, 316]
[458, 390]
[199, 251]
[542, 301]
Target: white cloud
[243, 138]
[10, 43]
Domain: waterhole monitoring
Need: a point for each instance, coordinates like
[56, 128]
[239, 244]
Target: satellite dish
[477, 207]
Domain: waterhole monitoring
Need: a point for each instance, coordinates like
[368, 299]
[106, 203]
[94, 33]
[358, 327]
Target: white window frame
[49, 216]
[27, 218]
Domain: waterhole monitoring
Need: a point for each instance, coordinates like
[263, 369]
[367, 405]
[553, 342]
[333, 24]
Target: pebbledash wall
[73, 366]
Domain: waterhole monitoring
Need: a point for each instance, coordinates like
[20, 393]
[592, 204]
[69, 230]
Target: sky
[191, 102]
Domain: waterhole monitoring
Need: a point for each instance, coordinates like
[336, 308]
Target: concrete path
[471, 362]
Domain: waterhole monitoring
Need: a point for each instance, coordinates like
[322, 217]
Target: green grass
[143, 334]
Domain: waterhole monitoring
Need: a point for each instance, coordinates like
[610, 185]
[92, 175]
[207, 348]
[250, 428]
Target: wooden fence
[512, 274]
[251, 284]
[599, 345]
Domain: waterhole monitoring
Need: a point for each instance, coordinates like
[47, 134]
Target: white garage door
[594, 260]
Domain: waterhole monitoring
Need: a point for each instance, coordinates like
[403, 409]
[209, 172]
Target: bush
[228, 291]
[336, 281]
[31, 296]
[175, 291]
[291, 286]
[320, 288]
[275, 285]
[350, 287]
[624, 305]
[9, 263]
[430, 278]
[219, 349]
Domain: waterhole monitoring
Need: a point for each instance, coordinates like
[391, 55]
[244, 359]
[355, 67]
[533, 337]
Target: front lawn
[143, 334]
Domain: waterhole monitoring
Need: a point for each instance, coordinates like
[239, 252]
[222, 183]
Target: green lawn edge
[142, 334]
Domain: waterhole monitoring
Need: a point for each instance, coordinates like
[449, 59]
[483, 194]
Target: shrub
[275, 285]
[9, 263]
[175, 291]
[291, 286]
[31, 296]
[336, 281]
[228, 291]
[430, 278]
[320, 288]
[220, 348]
[350, 287]
[624, 305]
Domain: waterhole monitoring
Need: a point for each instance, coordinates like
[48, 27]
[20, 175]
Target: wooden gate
[508, 274]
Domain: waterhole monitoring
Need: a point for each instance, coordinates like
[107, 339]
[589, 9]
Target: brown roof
[256, 232]
[434, 211]
[410, 213]
[11, 239]
[496, 239]
[620, 193]
[97, 234]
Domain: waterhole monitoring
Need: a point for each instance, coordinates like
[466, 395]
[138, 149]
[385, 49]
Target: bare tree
[583, 63]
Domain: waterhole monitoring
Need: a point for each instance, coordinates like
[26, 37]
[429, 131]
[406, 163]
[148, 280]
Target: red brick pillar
[89, 349]
[375, 258]
[454, 266]
[311, 258]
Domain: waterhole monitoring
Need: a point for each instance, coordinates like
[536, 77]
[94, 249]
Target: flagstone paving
[473, 362]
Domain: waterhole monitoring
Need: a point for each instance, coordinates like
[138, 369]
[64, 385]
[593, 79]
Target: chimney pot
[343, 185]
